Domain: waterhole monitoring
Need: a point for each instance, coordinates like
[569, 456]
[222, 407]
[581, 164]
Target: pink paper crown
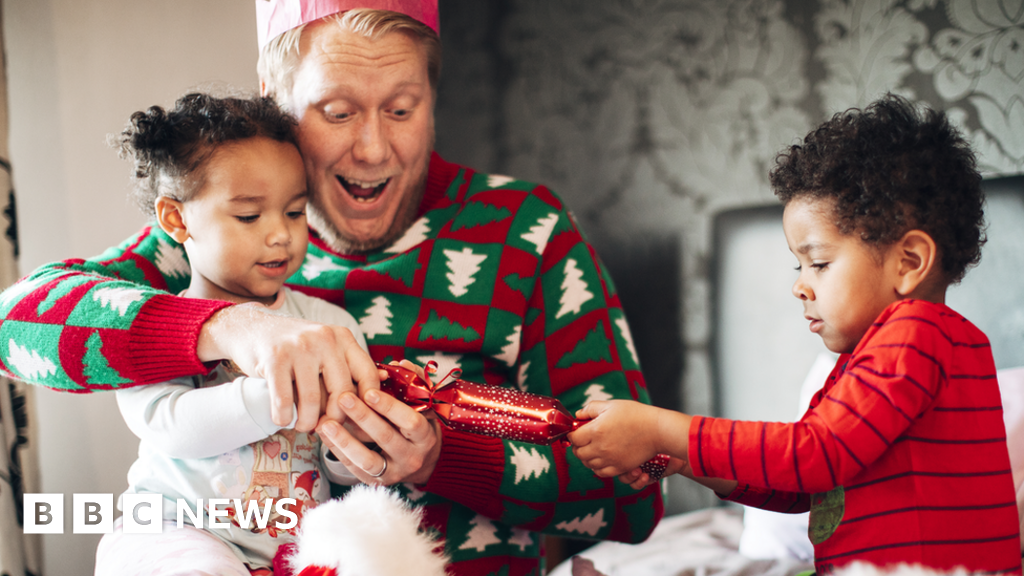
[275, 17]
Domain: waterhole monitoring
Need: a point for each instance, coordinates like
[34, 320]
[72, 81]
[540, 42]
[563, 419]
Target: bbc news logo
[143, 513]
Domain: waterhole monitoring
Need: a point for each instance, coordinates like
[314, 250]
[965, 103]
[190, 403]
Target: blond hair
[279, 58]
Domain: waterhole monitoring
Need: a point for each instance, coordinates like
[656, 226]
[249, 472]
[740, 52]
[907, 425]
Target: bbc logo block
[44, 514]
[92, 513]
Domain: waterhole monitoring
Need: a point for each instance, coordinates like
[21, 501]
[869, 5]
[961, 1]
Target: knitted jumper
[494, 278]
[901, 456]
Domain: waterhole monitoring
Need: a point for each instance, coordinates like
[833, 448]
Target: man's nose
[371, 145]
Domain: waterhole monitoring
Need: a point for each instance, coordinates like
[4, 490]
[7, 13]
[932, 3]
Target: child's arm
[624, 434]
[187, 422]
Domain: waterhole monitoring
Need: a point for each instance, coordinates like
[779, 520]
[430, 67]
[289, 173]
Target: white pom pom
[371, 531]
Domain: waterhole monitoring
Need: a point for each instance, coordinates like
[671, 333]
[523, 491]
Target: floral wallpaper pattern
[654, 115]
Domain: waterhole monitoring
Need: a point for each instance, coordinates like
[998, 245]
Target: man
[438, 263]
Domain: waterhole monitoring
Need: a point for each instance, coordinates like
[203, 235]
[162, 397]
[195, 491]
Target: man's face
[366, 130]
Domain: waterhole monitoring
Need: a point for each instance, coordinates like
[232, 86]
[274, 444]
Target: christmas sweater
[901, 456]
[211, 436]
[494, 278]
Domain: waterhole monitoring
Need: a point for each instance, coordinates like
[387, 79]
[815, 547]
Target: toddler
[223, 178]
[901, 456]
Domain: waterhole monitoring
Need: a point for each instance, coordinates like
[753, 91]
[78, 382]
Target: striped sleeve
[892, 377]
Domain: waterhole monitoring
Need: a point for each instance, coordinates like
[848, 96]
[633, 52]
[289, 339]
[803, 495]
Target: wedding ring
[382, 470]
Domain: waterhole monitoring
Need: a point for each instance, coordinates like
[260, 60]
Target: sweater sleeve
[183, 421]
[575, 345]
[106, 322]
[892, 377]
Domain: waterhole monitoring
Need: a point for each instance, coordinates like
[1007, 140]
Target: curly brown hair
[169, 148]
[889, 169]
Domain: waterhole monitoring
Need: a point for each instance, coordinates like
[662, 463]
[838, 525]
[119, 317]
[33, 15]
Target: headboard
[761, 348]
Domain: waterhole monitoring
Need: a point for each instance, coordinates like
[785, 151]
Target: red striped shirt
[910, 427]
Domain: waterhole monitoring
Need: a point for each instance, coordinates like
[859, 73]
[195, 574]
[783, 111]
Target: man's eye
[247, 219]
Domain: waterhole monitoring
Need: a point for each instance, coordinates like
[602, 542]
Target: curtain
[20, 554]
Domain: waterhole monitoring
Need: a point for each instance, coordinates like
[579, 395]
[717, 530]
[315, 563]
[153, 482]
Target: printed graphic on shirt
[827, 510]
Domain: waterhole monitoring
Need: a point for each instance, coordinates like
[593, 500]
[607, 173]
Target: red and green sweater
[494, 278]
[901, 456]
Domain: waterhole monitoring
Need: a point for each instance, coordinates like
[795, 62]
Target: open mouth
[363, 191]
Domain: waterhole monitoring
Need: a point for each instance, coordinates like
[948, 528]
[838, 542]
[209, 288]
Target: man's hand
[292, 355]
[409, 443]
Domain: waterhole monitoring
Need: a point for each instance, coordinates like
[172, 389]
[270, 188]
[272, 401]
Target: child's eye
[247, 219]
[295, 214]
[820, 265]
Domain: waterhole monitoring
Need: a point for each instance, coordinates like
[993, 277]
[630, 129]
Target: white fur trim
[371, 531]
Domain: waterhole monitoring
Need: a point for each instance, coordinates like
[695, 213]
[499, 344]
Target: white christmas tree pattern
[574, 290]
[414, 493]
[510, 351]
[29, 363]
[314, 266]
[20, 289]
[376, 321]
[521, 376]
[589, 524]
[628, 337]
[498, 180]
[528, 462]
[464, 264]
[481, 535]
[540, 233]
[416, 234]
[119, 299]
[596, 393]
[521, 538]
[170, 259]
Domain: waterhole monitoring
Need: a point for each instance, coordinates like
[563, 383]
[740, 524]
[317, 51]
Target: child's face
[247, 225]
[844, 283]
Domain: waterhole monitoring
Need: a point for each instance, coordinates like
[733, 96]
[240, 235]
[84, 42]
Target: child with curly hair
[223, 177]
[901, 456]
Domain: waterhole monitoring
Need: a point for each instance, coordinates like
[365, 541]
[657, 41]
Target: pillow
[1011, 388]
[773, 534]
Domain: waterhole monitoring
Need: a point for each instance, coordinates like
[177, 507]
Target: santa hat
[275, 17]
[371, 531]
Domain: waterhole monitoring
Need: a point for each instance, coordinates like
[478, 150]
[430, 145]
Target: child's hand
[622, 436]
[638, 479]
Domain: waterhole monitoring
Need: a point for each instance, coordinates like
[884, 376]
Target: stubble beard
[338, 242]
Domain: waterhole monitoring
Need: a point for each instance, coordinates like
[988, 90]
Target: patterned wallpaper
[650, 116]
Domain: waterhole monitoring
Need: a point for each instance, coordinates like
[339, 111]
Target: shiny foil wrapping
[504, 413]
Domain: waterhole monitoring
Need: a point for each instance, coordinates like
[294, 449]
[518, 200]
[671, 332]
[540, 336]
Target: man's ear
[170, 218]
[917, 261]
